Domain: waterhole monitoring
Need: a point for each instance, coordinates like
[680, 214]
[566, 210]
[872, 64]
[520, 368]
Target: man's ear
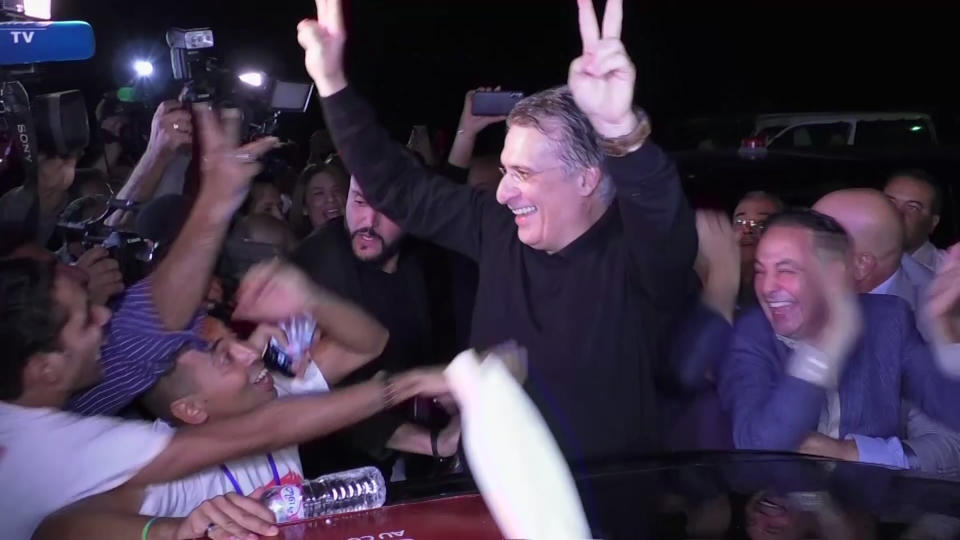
[934, 223]
[44, 370]
[589, 181]
[189, 410]
[863, 265]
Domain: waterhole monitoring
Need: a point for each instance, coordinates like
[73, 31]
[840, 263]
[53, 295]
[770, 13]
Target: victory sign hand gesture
[322, 41]
[602, 79]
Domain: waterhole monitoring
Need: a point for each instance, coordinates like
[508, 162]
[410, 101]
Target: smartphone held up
[494, 103]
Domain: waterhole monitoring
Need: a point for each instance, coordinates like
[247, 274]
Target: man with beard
[365, 258]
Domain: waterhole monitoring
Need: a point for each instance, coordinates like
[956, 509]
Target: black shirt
[403, 303]
[593, 316]
[414, 303]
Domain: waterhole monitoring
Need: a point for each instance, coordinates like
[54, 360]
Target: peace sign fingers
[612, 19]
[589, 28]
[590, 32]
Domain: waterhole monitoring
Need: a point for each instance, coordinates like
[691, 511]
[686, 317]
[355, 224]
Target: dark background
[415, 58]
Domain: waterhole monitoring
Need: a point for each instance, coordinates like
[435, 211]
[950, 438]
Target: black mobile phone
[494, 103]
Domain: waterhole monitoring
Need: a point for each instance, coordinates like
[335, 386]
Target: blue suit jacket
[772, 410]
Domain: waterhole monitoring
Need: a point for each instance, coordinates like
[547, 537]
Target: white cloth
[929, 256]
[179, 498]
[514, 458]
[51, 458]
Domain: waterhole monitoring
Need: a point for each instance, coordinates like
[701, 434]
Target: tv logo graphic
[22, 37]
[37, 42]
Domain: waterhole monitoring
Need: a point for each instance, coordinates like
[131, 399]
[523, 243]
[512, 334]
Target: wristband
[623, 145]
[146, 528]
[387, 395]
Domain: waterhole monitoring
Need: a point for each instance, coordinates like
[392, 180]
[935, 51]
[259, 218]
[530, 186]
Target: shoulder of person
[916, 273]
[327, 242]
[883, 311]
[752, 320]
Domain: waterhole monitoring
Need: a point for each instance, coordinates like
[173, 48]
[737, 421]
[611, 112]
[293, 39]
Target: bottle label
[291, 498]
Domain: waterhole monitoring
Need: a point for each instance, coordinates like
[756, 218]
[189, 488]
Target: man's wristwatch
[625, 144]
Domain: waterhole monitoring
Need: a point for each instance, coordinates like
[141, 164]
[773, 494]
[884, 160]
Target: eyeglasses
[751, 226]
[518, 176]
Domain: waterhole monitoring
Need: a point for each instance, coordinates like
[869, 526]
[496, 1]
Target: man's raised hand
[844, 320]
[471, 124]
[273, 292]
[602, 79]
[943, 298]
[226, 170]
[322, 41]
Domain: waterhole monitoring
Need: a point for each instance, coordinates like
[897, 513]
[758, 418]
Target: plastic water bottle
[337, 493]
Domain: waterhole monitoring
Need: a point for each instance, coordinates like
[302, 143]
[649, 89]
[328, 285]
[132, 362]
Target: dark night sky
[415, 58]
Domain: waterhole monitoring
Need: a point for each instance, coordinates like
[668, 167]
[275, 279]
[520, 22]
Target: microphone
[37, 42]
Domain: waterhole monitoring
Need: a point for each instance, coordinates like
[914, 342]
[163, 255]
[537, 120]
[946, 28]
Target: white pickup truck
[900, 130]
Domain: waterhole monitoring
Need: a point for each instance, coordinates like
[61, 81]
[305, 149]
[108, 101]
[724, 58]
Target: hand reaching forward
[229, 516]
[602, 79]
[273, 292]
[322, 41]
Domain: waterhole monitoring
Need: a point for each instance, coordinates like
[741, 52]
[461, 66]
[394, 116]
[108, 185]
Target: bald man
[876, 228]
[881, 267]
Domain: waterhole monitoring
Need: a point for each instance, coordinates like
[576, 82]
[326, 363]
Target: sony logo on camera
[24, 138]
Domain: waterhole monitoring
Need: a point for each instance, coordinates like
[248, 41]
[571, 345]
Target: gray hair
[555, 114]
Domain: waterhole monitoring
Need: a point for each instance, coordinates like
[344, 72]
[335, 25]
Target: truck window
[813, 136]
[893, 134]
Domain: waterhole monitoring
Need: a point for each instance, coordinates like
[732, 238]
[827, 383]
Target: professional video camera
[20, 9]
[55, 124]
[83, 221]
[260, 98]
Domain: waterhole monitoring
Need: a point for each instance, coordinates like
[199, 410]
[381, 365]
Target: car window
[813, 136]
[893, 134]
[770, 132]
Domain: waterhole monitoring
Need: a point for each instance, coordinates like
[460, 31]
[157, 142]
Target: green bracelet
[146, 528]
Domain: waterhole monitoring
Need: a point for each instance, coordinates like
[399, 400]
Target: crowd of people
[139, 403]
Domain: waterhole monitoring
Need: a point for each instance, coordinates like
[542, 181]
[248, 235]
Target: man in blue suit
[800, 364]
[880, 266]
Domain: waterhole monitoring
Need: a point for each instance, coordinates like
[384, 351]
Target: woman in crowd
[319, 196]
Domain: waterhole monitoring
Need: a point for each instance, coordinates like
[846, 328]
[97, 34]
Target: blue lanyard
[236, 485]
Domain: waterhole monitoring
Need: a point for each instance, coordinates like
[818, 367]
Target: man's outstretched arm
[280, 423]
[424, 204]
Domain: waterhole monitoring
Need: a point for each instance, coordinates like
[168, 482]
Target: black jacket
[593, 317]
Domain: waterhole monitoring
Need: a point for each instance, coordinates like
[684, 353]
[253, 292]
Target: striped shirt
[137, 351]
